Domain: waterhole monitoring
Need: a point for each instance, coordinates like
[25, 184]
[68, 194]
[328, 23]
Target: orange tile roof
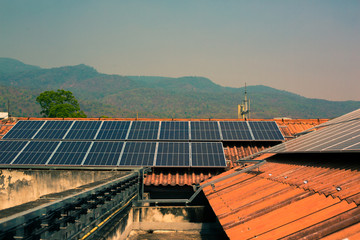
[290, 127]
[352, 232]
[5, 126]
[179, 177]
[287, 201]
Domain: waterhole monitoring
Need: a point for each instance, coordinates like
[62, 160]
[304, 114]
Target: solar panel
[53, 130]
[104, 153]
[83, 130]
[36, 153]
[355, 147]
[235, 131]
[144, 130]
[171, 130]
[205, 131]
[173, 154]
[70, 153]
[113, 130]
[346, 144]
[266, 131]
[342, 135]
[207, 154]
[24, 130]
[330, 141]
[138, 154]
[9, 150]
[351, 116]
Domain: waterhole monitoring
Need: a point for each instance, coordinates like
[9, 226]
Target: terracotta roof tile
[178, 177]
[342, 183]
[5, 126]
[352, 232]
[285, 201]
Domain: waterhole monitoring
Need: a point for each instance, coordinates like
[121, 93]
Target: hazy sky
[307, 47]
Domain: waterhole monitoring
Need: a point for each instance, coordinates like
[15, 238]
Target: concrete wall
[21, 186]
[172, 218]
[122, 226]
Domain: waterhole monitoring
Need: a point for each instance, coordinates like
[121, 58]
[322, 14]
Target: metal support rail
[74, 215]
[187, 201]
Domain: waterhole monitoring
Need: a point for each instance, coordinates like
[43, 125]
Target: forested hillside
[126, 96]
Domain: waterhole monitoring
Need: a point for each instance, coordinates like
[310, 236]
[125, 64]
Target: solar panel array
[127, 143]
[147, 130]
[90, 153]
[338, 135]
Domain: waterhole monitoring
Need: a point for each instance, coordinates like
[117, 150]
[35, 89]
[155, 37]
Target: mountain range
[150, 96]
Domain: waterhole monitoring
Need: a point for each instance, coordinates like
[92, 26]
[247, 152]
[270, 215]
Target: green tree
[60, 104]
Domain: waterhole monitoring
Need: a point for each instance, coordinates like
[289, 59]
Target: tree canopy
[59, 104]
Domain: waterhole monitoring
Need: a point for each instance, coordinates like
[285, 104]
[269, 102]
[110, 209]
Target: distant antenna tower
[244, 107]
[9, 115]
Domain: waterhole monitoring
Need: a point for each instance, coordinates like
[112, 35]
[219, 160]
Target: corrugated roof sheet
[287, 201]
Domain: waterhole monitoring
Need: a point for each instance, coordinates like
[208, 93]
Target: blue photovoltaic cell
[113, 130]
[174, 130]
[104, 154]
[208, 155]
[266, 131]
[70, 153]
[173, 154]
[144, 130]
[53, 130]
[138, 154]
[205, 131]
[36, 153]
[9, 149]
[24, 130]
[235, 131]
[83, 130]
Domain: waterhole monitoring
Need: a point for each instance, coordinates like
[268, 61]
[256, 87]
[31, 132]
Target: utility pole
[244, 107]
[9, 115]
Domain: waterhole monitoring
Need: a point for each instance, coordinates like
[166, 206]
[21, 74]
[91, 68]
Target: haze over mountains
[162, 97]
